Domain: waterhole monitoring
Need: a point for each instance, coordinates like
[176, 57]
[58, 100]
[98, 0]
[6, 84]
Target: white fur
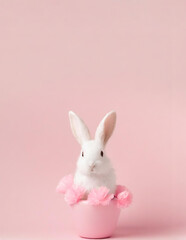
[94, 170]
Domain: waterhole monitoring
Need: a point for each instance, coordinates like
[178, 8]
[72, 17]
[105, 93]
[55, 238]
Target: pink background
[92, 57]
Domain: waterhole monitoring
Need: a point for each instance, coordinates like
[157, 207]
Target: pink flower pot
[95, 221]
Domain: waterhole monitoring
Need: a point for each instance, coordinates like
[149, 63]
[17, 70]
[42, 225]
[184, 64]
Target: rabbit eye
[101, 153]
[82, 154]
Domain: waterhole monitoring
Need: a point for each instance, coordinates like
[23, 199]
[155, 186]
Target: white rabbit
[93, 167]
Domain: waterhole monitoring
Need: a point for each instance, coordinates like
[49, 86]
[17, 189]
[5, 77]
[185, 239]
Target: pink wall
[91, 57]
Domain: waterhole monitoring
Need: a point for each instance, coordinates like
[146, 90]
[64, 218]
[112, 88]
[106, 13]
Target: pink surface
[92, 57]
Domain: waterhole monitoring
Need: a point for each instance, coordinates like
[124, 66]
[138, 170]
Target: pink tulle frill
[97, 196]
[100, 196]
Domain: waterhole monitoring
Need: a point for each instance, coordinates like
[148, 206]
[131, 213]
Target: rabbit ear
[106, 128]
[79, 129]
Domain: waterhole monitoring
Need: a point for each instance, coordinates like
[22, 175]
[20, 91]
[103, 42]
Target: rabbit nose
[92, 167]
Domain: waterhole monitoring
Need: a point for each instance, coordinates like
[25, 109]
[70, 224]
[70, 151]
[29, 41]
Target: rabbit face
[92, 159]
